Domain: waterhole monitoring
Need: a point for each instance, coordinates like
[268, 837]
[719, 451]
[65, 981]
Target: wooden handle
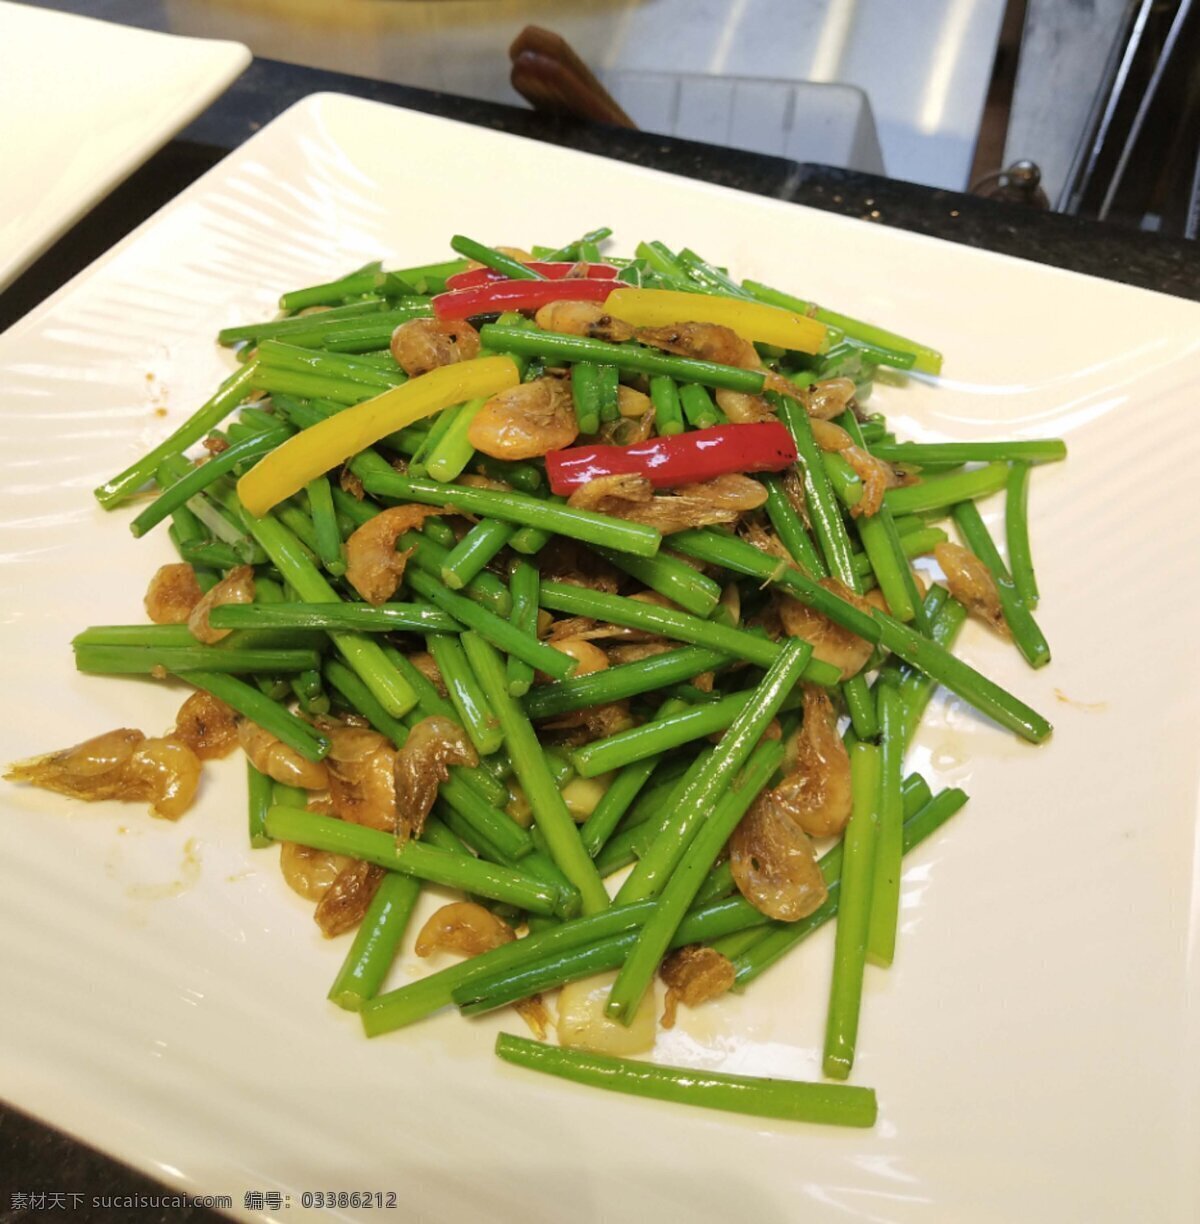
[551, 76]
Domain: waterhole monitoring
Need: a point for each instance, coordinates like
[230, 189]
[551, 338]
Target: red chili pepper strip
[552, 271]
[518, 295]
[686, 458]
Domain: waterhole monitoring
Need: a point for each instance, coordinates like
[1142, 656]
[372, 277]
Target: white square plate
[82, 104]
[1035, 1046]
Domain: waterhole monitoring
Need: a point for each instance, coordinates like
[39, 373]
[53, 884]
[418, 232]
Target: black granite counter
[36, 1159]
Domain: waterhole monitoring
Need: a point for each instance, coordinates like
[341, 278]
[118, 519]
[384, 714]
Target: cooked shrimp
[623, 487]
[657, 598]
[348, 482]
[877, 478]
[706, 341]
[465, 927]
[816, 793]
[742, 408]
[830, 642]
[470, 929]
[172, 594]
[421, 345]
[207, 726]
[774, 864]
[793, 489]
[592, 722]
[972, 584]
[237, 587]
[721, 500]
[626, 431]
[362, 775]
[635, 422]
[427, 666]
[536, 1014]
[827, 399]
[572, 626]
[347, 897]
[307, 871]
[765, 541]
[694, 974]
[588, 658]
[165, 772]
[636, 651]
[830, 437]
[595, 631]
[582, 319]
[121, 764]
[274, 758]
[476, 480]
[780, 385]
[526, 421]
[373, 566]
[94, 758]
[422, 765]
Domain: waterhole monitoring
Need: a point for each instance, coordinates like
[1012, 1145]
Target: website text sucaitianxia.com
[37, 1201]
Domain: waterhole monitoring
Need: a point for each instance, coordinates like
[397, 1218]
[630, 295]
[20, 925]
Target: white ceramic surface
[1035, 1046]
[83, 103]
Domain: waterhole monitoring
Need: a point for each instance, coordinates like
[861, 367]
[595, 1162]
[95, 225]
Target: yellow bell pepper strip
[308, 454]
[752, 321]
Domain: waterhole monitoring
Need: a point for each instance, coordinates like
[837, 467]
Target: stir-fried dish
[584, 586]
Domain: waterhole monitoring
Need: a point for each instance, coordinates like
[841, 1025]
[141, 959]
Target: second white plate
[83, 103]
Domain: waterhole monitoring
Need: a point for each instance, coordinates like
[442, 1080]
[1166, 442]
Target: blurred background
[1085, 106]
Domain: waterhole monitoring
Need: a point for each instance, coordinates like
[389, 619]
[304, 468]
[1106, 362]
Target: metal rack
[1139, 161]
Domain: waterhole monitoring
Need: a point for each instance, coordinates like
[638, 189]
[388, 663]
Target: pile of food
[511, 573]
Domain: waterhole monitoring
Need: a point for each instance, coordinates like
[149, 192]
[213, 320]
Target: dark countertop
[48, 1161]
